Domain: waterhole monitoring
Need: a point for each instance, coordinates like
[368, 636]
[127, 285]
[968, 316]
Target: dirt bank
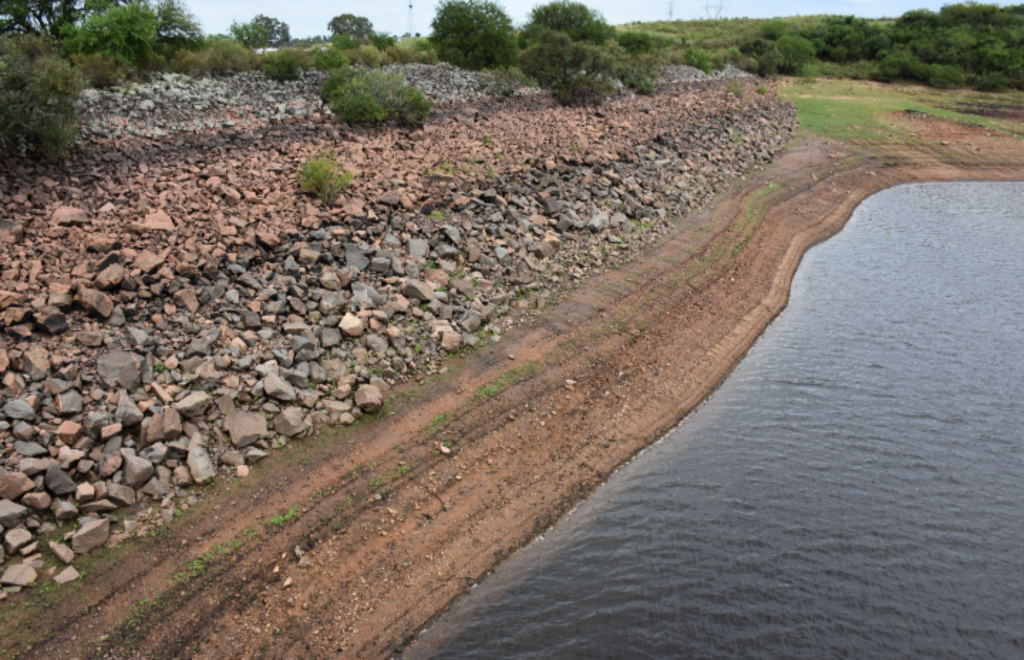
[396, 517]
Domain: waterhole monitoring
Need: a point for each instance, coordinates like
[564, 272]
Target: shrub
[575, 19]
[797, 53]
[323, 177]
[767, 54]
[399, 55]
[474, 34]
[636, 43]
[698, 59]
[504, 82]
[382, 41]
[366, 55]
[761, 89]
[992, 82]
[345, 42]
[285, 65]
[329, 59]
[372, 97]
[126, 34]
[99, 71]
[946, 76]
[339, 77]
[221, 56]
[569, 69]
[640, 72]
[38, 91]
[774, 30]
[736, 87]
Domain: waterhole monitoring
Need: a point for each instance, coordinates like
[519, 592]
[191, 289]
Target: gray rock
[290, 422]
[121, 495]
[418, 247]
[245, 428]
[11, 514]
[278, 388]
[92, 535]
[58, 482]
[200, 465]
[120, 369]
[452, 233]
[19, 575]
[163, 427]
[64, 510]
[598, 223]
[365, 296]
[127, 413]
[417, 290]
[203, 344]
[70, 402]
[355, 258]
[30, 449]
[19, 409]
[369, 398]
[194, 404]
[137, 471]
[36, 363]
[15, 484]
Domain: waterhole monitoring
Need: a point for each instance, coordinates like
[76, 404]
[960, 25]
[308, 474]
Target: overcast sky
[306, 19]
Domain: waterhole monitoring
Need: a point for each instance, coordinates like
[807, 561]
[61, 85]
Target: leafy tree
[635, 42]
[571, 69]
[276, 31]
[125, 34]
[351, 25]
[177, 28]
[774, 29]
[47, 16]
[38, 90]
[797, 53]
[474, 34]
[578, 21]
[767, 54]
[250, 35]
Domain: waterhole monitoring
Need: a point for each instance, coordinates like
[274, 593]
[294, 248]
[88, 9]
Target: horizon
[392, 16]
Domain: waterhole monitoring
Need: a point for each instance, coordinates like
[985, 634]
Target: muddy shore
[357, 539]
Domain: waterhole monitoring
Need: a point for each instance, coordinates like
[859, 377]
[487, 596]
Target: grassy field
[715, 35]
[861, 110]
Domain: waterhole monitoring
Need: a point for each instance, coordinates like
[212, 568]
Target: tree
[276, 31]
[177, 28]
[125, 34]
[47, 16]
[569, 69]
[351, 25]
[797, 53]
[474, 34]
[250, 35]
[575, 19]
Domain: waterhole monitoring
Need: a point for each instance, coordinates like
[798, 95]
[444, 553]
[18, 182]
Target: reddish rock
[69, 215]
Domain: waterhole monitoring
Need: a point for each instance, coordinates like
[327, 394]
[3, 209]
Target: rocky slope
[175, 308]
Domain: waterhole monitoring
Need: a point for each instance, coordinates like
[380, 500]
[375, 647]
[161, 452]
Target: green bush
[339, 78]
[640, 72]
[99, 71]
[329, 59]
[698, 59]
[220, 57]
[570, 69]
[251, 35]
[399, 55]
[372, 97]
[761, 89]
[736, 87]
[992, 82]
[766, 53]
[382, 41]
[286, 65]
[322, 176]
[345, 42]
[797, 53]
[366, 55]
[38, 91]
[124, 33]
[575, 19]
[474, 34]
[946, 76]
[505, 82]
[636, 43]
[774, 30]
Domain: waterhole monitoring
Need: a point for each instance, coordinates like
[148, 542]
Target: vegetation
[126, 34]
[38, 90]
[474, 34]
[371, 97]
[350, 25]
[322, 176]
[578, 21]
[286, 65]
[572, 70]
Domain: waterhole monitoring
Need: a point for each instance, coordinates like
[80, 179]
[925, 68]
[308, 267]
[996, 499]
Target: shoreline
[527, 438]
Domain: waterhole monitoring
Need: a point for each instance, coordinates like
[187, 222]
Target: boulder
[200, 465]
[291, 422]
[120, 369]
[92, 535]
[194, 404]
[369, 398]
[245, 428]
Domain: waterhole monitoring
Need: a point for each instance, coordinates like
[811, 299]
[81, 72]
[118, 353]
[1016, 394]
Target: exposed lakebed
[853, 489]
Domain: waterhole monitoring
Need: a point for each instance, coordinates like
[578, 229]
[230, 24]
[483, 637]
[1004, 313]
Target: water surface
[854, 489]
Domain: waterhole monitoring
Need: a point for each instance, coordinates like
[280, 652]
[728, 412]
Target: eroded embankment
[398, 517]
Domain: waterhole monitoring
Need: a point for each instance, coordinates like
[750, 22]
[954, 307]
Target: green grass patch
[281, 520]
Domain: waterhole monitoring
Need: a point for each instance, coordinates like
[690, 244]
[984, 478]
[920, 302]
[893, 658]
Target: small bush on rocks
[474, 34]
[736, 87]
[221, 56]
[635, 43]
[571, 70]
[640, 73]
[323, 177]
[99, 71]
[698, 59]
[38, 90]
[372, 97]
[286, 65]
[504, 82]
[126, 34]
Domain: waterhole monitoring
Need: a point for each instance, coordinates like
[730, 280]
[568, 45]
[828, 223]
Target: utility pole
[715, 9]
[670, 10]
[412, 25]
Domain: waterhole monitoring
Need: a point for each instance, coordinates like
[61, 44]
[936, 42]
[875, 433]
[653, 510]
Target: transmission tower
[670, 10]
[714, 10]
[412, 24]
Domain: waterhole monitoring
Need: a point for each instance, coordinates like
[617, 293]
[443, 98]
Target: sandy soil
[398, 517]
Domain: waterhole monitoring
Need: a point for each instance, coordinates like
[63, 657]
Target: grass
[721, 33]
[860, 110]
[281, 520]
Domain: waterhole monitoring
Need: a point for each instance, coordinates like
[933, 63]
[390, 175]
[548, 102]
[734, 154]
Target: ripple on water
[854, 489]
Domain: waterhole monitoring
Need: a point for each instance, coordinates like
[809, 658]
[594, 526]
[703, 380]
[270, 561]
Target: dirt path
[393, 525]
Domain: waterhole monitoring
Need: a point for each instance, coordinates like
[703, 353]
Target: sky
[306, 19]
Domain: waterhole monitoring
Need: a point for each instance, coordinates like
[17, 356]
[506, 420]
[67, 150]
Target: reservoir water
[855, 489]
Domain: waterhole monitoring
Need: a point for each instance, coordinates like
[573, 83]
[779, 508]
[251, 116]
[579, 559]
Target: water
[854, 489]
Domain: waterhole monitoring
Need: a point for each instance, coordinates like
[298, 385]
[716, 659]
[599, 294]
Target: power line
[670, 10]
[715, 9]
